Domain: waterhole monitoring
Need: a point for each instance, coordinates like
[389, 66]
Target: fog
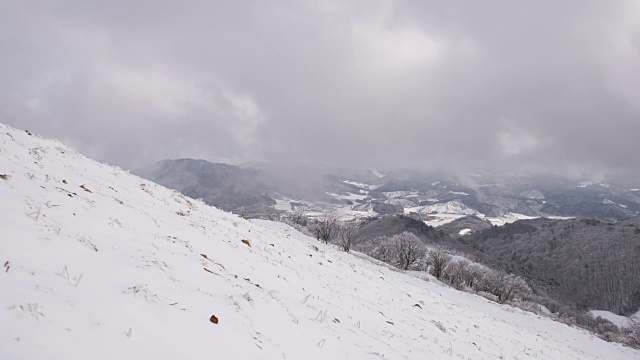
[499, 85]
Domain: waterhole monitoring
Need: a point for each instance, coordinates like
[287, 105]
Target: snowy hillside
[100, 264]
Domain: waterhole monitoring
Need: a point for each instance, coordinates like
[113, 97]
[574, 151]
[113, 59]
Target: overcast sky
[551, 85]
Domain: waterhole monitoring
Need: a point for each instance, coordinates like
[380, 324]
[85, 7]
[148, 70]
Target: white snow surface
[584, 184]
[513, 217]
[348, 196]
[283, 204]
[116, 271]
[397, 194]
[618, 320]
[361, 185]
[451, 207]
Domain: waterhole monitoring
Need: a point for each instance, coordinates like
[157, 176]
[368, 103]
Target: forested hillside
[588, 263]
[393, 225]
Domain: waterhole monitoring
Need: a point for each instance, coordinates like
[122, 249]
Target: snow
[400, 201]
[451, 207]
[285, 203]
[344, 213]
[509, 218]
[584, 184]
[464, 231]
[441, 219]
[378, 174]
[348, 196]
[444, 213]
[533, 195]
[609, 202]
[397, 194]
[458, 193]
[282, 204]
[123, 268]
[618, 320]
[361, 184]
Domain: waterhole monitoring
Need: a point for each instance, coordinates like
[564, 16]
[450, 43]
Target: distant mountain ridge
[437, 199]
[225, 186]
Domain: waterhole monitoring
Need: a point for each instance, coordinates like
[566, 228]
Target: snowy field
[618, 320]
[100, 264]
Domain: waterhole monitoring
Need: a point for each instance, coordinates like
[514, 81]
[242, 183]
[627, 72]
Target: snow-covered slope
[618, 320]
[100, 264]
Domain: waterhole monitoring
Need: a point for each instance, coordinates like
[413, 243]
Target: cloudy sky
[477, 84]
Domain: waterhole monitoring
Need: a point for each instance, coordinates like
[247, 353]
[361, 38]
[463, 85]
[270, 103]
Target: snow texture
[100, 264]
[618, 320]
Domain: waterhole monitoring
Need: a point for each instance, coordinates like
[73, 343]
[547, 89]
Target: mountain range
[434, 198]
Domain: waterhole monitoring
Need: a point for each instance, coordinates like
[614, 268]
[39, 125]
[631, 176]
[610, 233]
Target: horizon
[539, 88]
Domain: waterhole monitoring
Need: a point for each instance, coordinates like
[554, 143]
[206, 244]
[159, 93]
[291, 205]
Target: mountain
[393, 225]
[99, 263]
[465, 225]
[261, 189]
[225, 186]
[587, 263]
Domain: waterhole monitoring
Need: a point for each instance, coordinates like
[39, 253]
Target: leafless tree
[379, 248]
[297, 217]
[631, 333]
[505, 287]
[454, 272]
[470, 274]
[461, 273]
[513, 287]
[408, 249]
[402, 250]
[346, 233]
[242, 212]
[324, 227]
[438, 261]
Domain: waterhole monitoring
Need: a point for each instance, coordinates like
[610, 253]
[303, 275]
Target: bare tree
[297, 217]
[402, 250]
[346, 233]
[408, 249]
[631, 334]
[470, 274]
[242, 212]
[454, 272]
[461, 273]
[380, 249]
[505, 287]
[438, 261]
[514, 287]
[324, 227]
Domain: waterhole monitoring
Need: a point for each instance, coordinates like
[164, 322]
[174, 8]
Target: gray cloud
[429, 84]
